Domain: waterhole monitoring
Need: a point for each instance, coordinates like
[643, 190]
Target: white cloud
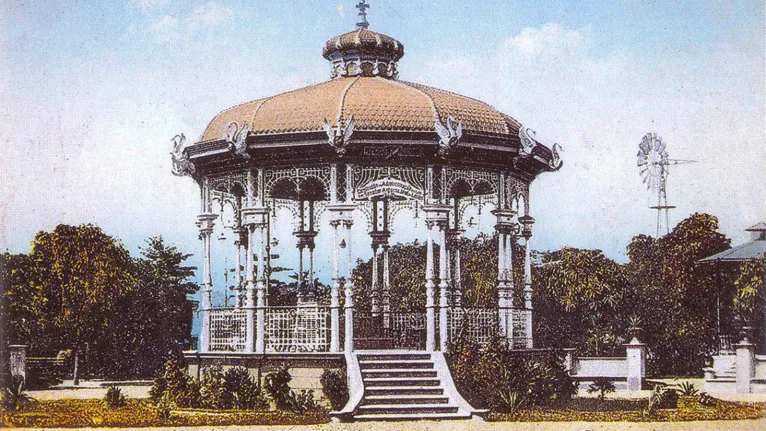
[165, 28]
[598, 105]
[341, 11]
[208, 15]
[148, 5]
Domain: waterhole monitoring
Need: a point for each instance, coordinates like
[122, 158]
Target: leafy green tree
[676, 296]
[749, 301]
[79, 274]
[580, 301]
[154, 318]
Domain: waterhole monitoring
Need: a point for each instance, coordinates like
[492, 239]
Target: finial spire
[362, 6]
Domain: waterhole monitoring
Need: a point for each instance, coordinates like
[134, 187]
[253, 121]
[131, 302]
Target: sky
[93, 92]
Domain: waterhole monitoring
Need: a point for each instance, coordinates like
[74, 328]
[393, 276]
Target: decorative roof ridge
[342, 101]
[415, 84]
[412, 86]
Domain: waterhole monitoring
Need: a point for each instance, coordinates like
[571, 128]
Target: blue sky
[94, 91]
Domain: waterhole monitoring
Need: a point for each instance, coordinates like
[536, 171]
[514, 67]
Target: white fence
[228, 330]
[477, 324]
[297, 329]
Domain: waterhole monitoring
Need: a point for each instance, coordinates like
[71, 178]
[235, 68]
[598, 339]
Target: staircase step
[405, 399]
[404, 390]
[398, 372]
[393, 356]
[411, 417]
[414, 363]
[406, 408]
[400, 381]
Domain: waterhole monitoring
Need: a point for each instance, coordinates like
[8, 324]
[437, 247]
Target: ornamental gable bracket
[182, 166]
[449, 135]
[339, 135]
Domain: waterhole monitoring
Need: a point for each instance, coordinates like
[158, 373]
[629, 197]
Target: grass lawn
[632, 410]
[73, 413]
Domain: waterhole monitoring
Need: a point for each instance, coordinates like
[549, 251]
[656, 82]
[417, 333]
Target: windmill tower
[653, 165]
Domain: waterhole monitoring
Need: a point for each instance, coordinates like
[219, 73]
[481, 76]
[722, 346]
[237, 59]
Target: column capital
[341, 212]
[526, 223]
[255, 216]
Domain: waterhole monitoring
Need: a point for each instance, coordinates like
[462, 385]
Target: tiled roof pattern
[376, 104]
[473, 114]
[383, 104]
[365, 40]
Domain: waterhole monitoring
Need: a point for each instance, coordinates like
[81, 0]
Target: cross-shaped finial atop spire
[362, 6]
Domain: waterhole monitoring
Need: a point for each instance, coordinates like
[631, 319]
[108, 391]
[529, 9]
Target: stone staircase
[407, 386]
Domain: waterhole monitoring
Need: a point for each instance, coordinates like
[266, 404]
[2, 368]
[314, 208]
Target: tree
[154, 318]
[749, 301]
[79, 274]
[580, 301]
[676, 296]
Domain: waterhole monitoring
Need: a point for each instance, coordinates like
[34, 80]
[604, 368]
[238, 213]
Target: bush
[113, 399]
[213, 388]
[242, 391]
[335, 387]
[488, 376]
[14, 397]
[277, 387]
[164, 407]
[183, 390]
[687, 389]
[603, 386]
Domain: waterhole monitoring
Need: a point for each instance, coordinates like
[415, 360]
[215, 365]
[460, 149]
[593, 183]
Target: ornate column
[386, 289]
[443, 288]
[527, 222]
[375, 291]
[436, 217]
[240, 242]
[504, 283]
[341, 219]
[334, 300]
[256, 217]
[205, 222]
[348, 289]
[430, 318]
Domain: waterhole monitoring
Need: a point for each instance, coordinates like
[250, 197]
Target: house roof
[751, 250]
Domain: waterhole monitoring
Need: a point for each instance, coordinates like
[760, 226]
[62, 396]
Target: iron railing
[298, 329]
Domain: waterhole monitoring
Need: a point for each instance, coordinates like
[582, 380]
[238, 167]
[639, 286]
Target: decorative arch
[301, 179]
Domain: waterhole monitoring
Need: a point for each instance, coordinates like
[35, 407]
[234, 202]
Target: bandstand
[359, 148]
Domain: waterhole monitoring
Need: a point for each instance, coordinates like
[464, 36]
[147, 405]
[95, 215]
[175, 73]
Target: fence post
[636, 363]
[745, 362]
[17, 360]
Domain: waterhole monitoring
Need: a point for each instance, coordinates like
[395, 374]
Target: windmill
[653, 165]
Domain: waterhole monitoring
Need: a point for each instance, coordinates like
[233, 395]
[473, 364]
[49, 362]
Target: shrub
[14, 397]
[277, 387]
[487, 376]
[183, 389]
[164, 407]
[706, 400]
[242, 391]
[687, 389]
[213, 388]
[114, 398]
[662, 398]
[335, 387]
[603, 386]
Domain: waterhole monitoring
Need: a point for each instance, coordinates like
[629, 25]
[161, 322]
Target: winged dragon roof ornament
[182, 166]
[556, 162]
[529, 141]
[236, 139]
[449, 135]
[339, 135]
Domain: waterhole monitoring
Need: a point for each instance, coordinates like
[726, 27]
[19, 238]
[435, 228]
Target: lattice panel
[474, 179]
[520, 328]
[228, 330]
[296, 175]
[477, 324]
[298, 329]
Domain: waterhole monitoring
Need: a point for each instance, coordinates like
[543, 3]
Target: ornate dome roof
[365, 42]
[376, 104]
